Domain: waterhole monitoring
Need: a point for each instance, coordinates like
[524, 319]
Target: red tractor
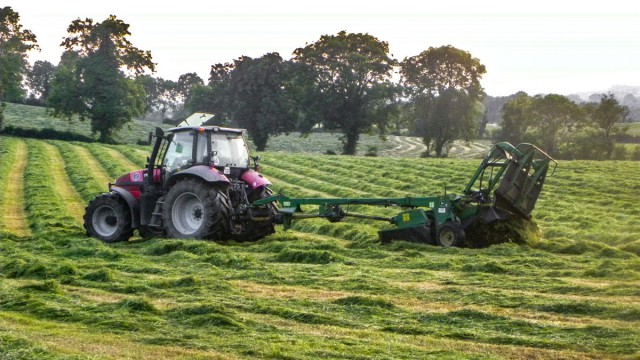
[198, 184]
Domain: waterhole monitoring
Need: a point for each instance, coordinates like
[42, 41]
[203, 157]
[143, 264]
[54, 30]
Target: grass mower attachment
[504, 189]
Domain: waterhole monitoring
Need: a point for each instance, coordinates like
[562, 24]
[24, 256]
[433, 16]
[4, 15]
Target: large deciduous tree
[555, 116]
[15, 42]
[39, 80]
[548, 121]
[606, 115]
[345, 84]
[260, 100]
[160, 94]
[98, 84]
[186, 83]
[215, 97]
[444, 88]
[517, 116]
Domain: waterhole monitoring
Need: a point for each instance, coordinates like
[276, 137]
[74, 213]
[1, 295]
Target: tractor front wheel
[196, 210]
[450, 234]
[108, 218]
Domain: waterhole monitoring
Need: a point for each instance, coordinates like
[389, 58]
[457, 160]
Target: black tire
[148, 232]
[450, 235]
[108, 218]
[254, 231]
[194, 209]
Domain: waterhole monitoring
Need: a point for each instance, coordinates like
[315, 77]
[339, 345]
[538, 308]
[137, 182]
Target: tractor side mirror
[256, 164]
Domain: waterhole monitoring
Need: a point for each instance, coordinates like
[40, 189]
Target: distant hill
[627, 95]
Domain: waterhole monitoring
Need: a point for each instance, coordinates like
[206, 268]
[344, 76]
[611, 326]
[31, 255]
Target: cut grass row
[47, 211]
[114, 163]
[13, 161]
[87, 177]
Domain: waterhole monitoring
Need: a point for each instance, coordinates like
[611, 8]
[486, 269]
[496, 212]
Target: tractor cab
[212, 146]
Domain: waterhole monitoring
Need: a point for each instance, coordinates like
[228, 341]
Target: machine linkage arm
[330, 208]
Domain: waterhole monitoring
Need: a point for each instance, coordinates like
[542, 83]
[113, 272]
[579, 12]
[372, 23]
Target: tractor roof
[209, 128]
[198, 121]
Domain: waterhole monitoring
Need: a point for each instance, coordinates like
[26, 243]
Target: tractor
[198, 183]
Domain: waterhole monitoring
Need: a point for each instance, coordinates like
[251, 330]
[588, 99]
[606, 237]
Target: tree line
[342, 82]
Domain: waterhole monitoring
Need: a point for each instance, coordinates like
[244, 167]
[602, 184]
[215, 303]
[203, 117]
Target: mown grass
[37, 119]
[327, 290]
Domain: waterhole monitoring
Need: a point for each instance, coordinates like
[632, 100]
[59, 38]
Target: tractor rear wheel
[196, 210]
[450, 234]
[108, 218]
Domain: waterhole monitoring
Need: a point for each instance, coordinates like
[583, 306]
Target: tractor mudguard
[132, 202]
[208, 174]
[254, 179]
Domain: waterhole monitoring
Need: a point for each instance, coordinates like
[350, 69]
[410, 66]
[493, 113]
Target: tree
[39, 79]
[160, 94]
[98, 83]
[215, 96]
[555, 116]
[342, 80]
[607, 115]
[260, 100]
[14, 45]
[517, 116]
[186, 83]
[2, 107]
[444, 87]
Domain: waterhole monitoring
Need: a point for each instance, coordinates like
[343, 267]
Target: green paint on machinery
[505, 186]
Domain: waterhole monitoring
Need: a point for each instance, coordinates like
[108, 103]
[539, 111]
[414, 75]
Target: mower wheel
[450, 234]
[108, 218]
[194, 209]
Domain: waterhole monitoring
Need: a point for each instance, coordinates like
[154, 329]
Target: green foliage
[343, 82]
[91, 81]
[39, 80]
[161, 95]
[15, 42]
[3, 106]
[444, 86]
[550, 121]
[260, 97]
[606, 116]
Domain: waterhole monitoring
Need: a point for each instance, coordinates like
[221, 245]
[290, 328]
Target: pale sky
[539, 46]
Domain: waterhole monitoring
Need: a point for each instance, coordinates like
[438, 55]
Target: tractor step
[156, 215]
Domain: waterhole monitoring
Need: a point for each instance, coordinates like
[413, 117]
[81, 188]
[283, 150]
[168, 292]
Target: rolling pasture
[321, 290]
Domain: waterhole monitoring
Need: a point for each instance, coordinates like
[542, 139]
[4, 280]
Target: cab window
[180, 151]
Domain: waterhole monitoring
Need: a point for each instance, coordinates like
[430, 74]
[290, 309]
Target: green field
[36, 119]
[321, 290]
